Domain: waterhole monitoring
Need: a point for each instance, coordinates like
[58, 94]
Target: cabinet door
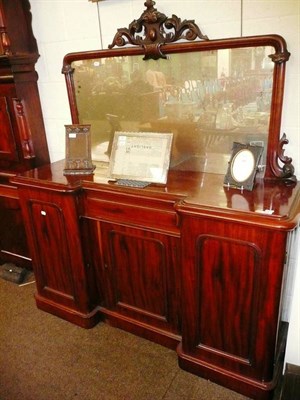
[53, 234]
[54, 263]
[8, 149]
[16, 144]
[138, 275]
[232, 282]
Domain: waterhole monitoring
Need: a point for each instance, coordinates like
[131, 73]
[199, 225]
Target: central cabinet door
[138, 276]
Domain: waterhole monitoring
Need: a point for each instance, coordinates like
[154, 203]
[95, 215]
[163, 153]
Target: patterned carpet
[45, 358]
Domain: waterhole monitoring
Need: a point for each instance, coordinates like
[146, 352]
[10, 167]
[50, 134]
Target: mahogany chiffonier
[197, 263]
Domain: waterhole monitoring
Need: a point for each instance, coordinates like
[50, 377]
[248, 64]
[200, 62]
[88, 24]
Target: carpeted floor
[45, 358]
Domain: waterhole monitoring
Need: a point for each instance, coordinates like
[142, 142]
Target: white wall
[63, 26]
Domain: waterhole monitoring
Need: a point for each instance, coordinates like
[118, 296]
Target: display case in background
[23, 142]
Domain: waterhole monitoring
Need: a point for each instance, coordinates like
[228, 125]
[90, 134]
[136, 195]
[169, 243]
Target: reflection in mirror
[207, 99]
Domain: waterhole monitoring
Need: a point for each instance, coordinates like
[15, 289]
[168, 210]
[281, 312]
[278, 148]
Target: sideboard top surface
[271, 203]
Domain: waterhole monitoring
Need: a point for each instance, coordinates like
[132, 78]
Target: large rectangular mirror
[206, 99]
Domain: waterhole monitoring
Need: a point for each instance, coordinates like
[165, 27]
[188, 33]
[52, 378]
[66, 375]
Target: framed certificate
[243, 166]
[142, 156]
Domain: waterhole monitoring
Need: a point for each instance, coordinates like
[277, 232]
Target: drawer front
[158, 214]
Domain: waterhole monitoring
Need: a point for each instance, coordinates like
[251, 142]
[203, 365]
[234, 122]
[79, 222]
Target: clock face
[242, 165]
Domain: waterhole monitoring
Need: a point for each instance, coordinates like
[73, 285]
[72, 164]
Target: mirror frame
[163, 36]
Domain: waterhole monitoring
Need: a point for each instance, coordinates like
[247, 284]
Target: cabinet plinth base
[154, 334]
[86, 321]
[246, 386]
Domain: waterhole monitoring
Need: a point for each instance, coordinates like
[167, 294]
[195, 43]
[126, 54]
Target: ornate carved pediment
[154, 29]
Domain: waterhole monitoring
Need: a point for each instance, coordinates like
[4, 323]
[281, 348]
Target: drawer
[128, 208]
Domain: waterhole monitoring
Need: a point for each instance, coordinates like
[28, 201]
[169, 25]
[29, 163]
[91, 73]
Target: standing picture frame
[78, 159]
[243, 166]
